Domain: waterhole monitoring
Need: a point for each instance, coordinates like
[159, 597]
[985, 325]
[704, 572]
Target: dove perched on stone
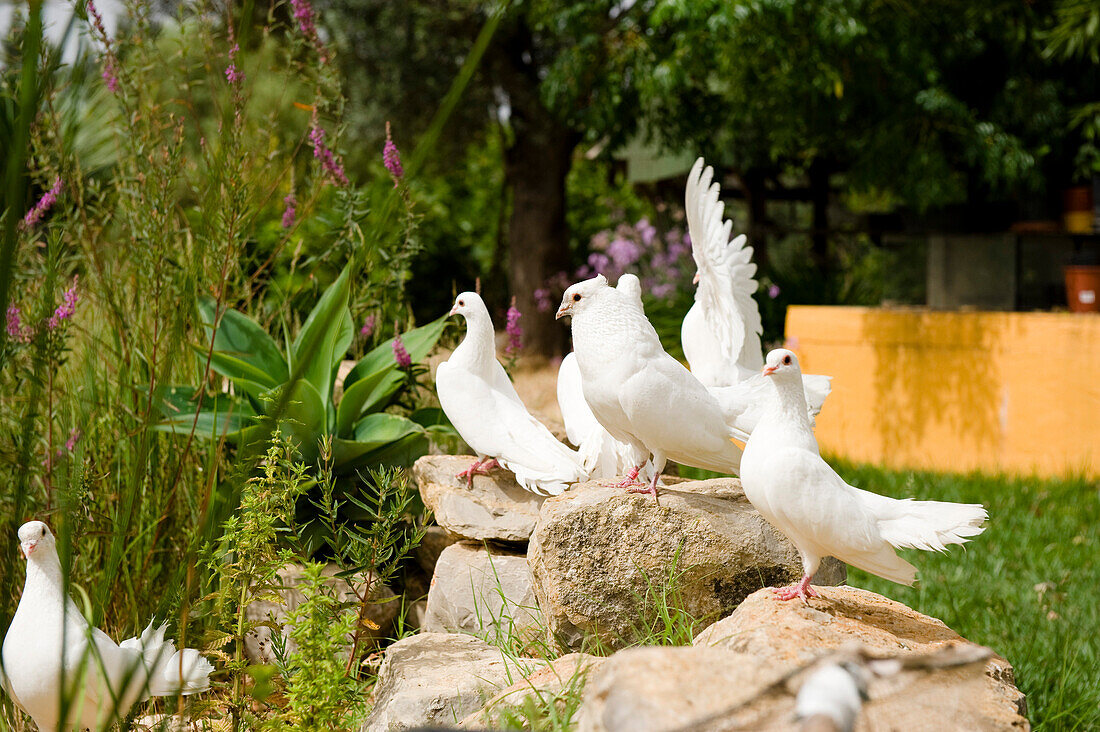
[797, 492]
[603, 455]
[479, 399]
[641, 395]
[721, 332]
[52, 656]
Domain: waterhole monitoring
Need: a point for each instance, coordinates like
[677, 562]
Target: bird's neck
[45, 585]
[478, 349]
[788, 411]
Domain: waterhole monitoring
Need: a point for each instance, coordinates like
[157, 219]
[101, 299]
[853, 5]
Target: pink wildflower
[323, 154]
[368, 327]
[290, 212]
[66, 309]
[303, 13]
[514, 330]
[110, 73]
[542, 299]
[232, 74]
[773, 291]
[39, 210]
[15, 328]
[74, 435]
[391, 158]
[400, 354]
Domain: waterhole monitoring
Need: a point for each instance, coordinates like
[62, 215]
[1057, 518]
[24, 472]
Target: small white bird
[52, 657]
[479, 399]
[721, 332]
[641, 395]
[797, 492]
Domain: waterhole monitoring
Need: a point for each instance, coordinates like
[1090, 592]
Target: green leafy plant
[362, 431]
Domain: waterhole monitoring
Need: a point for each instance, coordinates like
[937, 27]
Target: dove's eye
[43, 531]
[462, 303]
[787, 360]
[576, 297]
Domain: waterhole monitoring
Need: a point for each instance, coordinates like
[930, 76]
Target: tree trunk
[535, 167]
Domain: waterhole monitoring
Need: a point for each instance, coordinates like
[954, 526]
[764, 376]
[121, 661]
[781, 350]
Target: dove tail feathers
[540, 482]
[170, 672]
[930, 525]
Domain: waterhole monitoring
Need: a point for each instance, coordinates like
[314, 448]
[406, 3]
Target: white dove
[479, 399]
[797, 492]
[721, 332]
[52, 657]
[641, 395]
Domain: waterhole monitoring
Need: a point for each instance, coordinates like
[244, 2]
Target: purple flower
[110, 73]
[400, 354]
[232, 74]
[322, 153]
[600, 240]
[66, 309]
[74, 435]
[368, 327]
[391, 158]
[97, 19]
[646, 230]
[303, 13]
[542, 299]
[773, 291]
[662, 290]
[290, 212]
[514, 330]
[623, 252]
[15, 328]
[599, 262]
[39, 210]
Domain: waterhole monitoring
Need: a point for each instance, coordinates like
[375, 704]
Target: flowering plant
[362, 432]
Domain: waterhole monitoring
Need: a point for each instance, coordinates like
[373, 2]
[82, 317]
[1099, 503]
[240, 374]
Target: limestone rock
[594, 547]
[427, 552]
[440, 679]
[565, 676]
[479, 591]
[675, 688]
[791, 634]
[257, 644]
[496, 508]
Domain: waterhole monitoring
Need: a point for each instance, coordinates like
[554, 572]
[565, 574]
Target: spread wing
[726, 334]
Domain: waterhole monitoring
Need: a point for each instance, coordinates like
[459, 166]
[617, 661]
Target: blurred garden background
[209, 205]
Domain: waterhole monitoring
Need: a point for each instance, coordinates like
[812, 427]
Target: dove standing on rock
[52, 657]
[721, 332]
[479, 399]
[603, 455]
[786, 480]
[639, 393]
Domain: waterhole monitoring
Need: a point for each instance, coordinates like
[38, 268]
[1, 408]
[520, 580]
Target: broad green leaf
[239, 336]
[209, 425]
[316, 342]
[372, 433]
[369, 394]
[220, 416]
[418, 342]
[304, 419]
[401, 453]
[343, 339]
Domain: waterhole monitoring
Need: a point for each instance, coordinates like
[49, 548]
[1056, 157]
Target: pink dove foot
[802, 589]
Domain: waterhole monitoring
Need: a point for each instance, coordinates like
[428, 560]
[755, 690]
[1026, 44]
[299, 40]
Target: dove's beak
[565, 309]
[452, 311]
[695, 279]
[769, 370]
[28, 548]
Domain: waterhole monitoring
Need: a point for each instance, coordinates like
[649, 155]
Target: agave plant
[362, 432]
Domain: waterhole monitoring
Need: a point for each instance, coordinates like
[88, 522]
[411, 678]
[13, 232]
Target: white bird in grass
[641, 395]
[721, 332]
[797, 492]
[479, 399]
[52, 657]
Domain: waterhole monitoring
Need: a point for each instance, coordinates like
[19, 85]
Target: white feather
[603, 455]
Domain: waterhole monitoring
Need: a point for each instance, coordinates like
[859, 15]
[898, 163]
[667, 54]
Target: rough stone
[563, 677]
[257, 644]
[496, 508]
[482, 591]
[595, 546]
[440, 679]
[427, 552]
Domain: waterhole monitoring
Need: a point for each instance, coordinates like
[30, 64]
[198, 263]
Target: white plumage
[479, 399]
[602, 454]
[637, 392]
[721, 332]
[49, 640]
[796, 491]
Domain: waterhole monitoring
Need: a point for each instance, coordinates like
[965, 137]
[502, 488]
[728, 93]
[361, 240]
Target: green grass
[1027, 587]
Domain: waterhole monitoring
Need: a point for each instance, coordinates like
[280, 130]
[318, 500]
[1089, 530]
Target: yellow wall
[956, 391]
